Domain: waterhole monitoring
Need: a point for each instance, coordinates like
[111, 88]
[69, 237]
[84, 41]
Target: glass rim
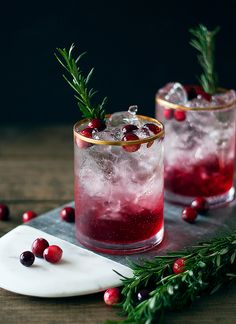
[171, 105]
[121, 143]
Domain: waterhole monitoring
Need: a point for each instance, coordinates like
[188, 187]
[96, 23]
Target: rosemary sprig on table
[80, 84]
[207, 267]
[204, 43]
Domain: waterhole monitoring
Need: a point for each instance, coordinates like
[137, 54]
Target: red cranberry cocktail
[119, 183]
[199, 143]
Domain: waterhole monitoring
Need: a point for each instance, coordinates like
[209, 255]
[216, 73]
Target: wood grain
[36, 172]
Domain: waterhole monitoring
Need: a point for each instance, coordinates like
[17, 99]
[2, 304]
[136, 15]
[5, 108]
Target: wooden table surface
[36, 172]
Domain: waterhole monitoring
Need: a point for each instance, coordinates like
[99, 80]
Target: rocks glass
[119, 189]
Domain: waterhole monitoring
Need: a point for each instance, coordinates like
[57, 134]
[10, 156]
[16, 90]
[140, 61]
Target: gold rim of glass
[121, 143]
[171, 105]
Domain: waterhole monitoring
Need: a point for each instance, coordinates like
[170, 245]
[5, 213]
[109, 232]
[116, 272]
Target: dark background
[135, 46]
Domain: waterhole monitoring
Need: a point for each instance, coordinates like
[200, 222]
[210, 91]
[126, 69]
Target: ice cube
[109, 134]
[177, 94]
[224, 98]
[200, 102]
[124, 117]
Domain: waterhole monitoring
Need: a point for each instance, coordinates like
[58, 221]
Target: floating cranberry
[200, 204]
[155, 129]
[131, 137]
[38, 247]
[27, 258]
[68, 214]
[28, 215]
[4, 212]
[189, 214]
[53, 254]
[179, 266]
[112, 296]
[142, 295]
[86, 132]
[179, 115]
[97, 123]
[168, 113]
[129, 128]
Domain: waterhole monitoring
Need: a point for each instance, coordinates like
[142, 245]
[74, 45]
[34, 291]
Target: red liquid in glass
[130, 224]
[206, 178]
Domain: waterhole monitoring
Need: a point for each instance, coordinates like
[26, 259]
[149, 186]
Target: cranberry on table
[112, 296]
[200, 204]
[153, 128]
[129, 128]
[131, 137]
[38, 247]
[27, 258]
[168, 113]
[142, 295]
[68, 214]
[28, 215]
[53, 254]
[4, 212]
[179, 115]
[179, 266]
[97, 123]
[189, 214]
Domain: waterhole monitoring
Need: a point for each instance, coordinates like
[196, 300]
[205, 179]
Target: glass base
[214, 201]
[131, 248]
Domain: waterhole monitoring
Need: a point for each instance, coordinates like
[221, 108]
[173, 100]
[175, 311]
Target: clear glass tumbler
[199, 150]
[118, 192]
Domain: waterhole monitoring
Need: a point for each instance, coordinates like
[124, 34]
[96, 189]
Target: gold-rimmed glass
[119, 194]
[199, 151]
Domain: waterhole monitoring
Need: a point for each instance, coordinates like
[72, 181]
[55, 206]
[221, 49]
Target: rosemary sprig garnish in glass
[204, 43]
[206, 267]
[80, 84]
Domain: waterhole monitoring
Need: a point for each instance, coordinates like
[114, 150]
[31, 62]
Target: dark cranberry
[179, 266]
[131, 137]
[86, 132]
[112, 296]
[4, 212]
[38, 247]
[27, 258]
[191, 91]
[97, 123]
[168, 113]
[153, 128]
[28, 215]
[179, 115]
[142, 295]
[53, 254]
[189, 214]
[200, 204]
[68, 214]
[129, 128]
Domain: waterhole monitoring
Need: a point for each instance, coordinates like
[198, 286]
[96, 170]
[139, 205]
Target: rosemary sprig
[80, 84]
[207, 267]
[204, 43]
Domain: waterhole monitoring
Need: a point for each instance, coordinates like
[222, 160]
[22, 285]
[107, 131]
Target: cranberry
[86, 132]
[28, 215]
[129, 128]
[52, 254]
[112, 296]
[200, 204]
[189, 214]
[153, 128]
[191, 91]
[168, 113]
[27, 258]
[4, 212]
[68, 214]
[131, 137]
[38, 247]
[142, 295]
[179, 115]
[179, 266]
[97, 123]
